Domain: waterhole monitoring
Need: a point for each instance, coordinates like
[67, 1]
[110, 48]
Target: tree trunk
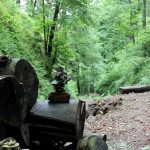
[144, 14]
[51, 37]
[26, 74]
[44, 28]
[13, 106]
[144, 25]
[53, 60]
[78, 81]
[135, 89]
[18, 2]
[93, 74]
[119, 24]
[131, 24]
[78, 86]
[35, 3]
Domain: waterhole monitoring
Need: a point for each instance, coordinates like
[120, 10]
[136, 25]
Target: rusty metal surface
[65, 112]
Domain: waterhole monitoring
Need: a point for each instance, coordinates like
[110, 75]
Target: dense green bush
[19, 38]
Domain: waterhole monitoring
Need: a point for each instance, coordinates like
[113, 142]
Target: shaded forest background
[103, 44]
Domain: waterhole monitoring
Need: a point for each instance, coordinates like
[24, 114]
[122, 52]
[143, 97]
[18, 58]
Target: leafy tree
[102, 44]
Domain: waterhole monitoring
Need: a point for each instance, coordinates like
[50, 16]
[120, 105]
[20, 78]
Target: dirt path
[128, 127]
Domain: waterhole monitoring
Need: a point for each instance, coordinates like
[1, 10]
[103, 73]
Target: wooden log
[135, 89]
[25, 73]
[92, 143]
[13, 107]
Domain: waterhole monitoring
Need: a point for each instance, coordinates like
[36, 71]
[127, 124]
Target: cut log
[135, 89]
[13, 107]
[92, 143]
[25, 73]
[61, 122]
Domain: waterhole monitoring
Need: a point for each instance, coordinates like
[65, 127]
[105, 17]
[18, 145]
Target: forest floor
[127, 126]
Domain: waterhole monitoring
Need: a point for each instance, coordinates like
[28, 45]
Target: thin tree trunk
[32, 3]
[54, 58]
[131, 24]
[18, 2]
[93, 73]
[78, 86]
[47, 37]
[51, 37]
[120, 30]
[45, 42]
[78, 82]
[144, 25]
[35, 3]
[144, 14]
[52, 63]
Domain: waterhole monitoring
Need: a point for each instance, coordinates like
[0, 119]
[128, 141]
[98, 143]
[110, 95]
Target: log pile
[103, 107]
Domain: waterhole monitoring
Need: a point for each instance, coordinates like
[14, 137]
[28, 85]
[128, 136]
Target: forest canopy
[103, 44]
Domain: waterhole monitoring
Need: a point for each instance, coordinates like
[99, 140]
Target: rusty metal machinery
[57, 121]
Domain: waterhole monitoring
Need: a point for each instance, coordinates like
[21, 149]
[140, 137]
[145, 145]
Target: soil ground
[127, 127]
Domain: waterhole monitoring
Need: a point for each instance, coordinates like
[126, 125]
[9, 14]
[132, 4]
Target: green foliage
[124, 62]
[101, 44]
[19, 38]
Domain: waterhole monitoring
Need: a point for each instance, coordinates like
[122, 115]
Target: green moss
[92, 142]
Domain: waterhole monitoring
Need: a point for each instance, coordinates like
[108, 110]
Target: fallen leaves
[129, 124]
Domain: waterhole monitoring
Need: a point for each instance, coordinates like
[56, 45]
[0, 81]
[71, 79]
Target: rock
[59, 97]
